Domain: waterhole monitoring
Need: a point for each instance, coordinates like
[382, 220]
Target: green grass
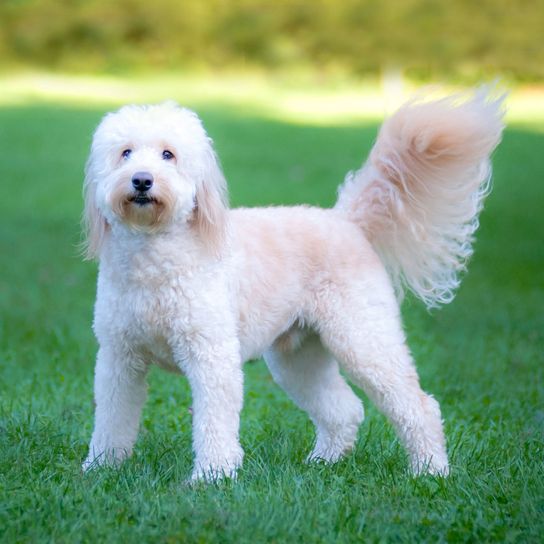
[482, 357]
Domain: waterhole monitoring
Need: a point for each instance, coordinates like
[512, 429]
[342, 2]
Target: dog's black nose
[142, 181]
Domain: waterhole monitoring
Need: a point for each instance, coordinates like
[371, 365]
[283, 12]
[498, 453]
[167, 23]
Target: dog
[198, 288]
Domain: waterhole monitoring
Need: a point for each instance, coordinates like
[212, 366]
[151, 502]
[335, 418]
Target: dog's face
[151, 167]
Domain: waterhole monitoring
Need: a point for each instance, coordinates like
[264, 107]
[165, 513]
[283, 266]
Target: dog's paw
[433, 466]
[329, 451]
[326, 456]
[109, 458]
[93, 463]
[206, 471]
[211, 475]
[89, 464]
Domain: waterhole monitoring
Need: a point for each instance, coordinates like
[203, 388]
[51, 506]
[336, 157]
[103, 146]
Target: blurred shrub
[460, 38]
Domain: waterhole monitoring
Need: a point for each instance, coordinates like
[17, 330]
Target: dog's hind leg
[310, 376]
[361, 327]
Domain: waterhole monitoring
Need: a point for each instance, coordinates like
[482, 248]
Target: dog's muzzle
[142, 182]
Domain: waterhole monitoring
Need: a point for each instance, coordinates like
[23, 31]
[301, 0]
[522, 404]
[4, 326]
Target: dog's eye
[167, 155]
[126, 153]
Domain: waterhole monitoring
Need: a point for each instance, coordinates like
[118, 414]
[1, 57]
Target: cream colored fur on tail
[195, 287]
[419, 194]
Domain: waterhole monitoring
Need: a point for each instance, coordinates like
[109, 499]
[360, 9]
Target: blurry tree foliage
[456, 38]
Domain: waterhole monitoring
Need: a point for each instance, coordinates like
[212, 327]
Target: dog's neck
[130, 254]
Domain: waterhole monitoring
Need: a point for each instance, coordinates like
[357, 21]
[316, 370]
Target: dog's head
[150, 167]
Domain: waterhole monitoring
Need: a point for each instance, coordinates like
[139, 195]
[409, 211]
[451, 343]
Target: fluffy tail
[419, 194]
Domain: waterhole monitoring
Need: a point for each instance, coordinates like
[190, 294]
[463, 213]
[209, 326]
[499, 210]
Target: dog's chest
[149, 318]
[149, 314]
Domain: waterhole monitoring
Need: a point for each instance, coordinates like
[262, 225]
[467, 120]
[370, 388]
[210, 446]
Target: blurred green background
[456, 39]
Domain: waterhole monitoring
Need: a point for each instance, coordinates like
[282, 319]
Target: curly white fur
[192, 286]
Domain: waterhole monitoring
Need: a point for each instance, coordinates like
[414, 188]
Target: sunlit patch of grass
[307, 102]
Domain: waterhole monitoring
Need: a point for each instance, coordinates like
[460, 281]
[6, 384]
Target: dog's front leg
[213, 368]
[120, 391]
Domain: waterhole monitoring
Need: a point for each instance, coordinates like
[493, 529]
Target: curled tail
[419, 194]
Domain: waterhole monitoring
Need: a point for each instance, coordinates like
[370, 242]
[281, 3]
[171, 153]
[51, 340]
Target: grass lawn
[482, 357]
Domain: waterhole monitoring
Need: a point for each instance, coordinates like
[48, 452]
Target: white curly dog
[193, 286]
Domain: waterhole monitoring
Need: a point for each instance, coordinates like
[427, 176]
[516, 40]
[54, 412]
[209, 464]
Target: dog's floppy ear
[94, 222]
[211, 202]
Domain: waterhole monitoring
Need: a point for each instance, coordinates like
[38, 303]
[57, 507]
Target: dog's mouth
[142, 199]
